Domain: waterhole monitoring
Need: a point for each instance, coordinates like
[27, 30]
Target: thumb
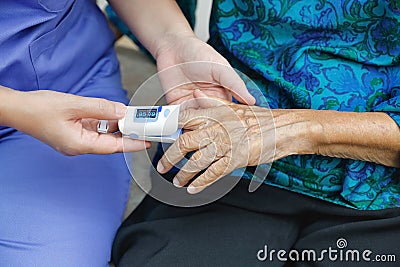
[98, 108]
[228, 78]
[204, 101]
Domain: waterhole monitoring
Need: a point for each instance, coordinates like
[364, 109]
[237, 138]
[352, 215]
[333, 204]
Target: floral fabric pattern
[320, 54]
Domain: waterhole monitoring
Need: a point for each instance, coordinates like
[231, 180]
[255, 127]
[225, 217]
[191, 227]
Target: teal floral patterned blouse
[320, 54]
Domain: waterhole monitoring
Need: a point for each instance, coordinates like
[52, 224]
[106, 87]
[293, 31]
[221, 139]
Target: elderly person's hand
[227, 136]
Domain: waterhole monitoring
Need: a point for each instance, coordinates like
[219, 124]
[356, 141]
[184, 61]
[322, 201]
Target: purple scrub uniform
[57, 210]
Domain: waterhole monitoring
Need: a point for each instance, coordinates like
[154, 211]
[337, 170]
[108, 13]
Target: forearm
[152, 21]
[9, 102]
[367, 136]
[370, 136]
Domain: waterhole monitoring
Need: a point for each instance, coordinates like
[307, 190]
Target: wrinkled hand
[212, 72]
[225, 136]
[68, 123]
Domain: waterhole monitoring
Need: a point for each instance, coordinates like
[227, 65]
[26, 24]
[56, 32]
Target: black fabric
[230, 231]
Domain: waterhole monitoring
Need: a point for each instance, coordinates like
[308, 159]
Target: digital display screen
[146, 113]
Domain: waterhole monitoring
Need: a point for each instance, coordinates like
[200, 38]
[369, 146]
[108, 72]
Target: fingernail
[160, 167]
[191, 189]
[120, 110]
[176, 182]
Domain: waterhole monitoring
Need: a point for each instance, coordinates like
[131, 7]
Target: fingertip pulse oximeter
[151, 123]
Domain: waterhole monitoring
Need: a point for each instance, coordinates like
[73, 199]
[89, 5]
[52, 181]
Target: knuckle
[193, 166]
[211, 175]
[183, 143]
[202, 180]
[184, 178]
[118, 146]
[179, 176]
[253, 131]
[164, 160]
[251, 121]
[198, 182]
[167, 160]
[105, 105]
[101, 104]
[239, 111]
[226, 161]
[248, 112]
[221, 151]
[226, 164]
[196, 156]
[209, 153]
[184, 116]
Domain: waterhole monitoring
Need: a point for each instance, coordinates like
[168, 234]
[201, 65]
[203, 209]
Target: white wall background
[202, 19]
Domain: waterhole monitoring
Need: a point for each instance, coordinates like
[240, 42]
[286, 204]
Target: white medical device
[102, 127]
[151, 123]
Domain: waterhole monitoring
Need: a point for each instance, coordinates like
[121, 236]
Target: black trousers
[252, 229]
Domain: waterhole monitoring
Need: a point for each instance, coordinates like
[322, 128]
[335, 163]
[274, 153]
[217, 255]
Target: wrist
[10, 101]
[169, 41]
[297, 132]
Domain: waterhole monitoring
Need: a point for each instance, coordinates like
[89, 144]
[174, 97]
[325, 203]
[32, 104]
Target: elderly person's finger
[198, 162]
[195, 164]
[237, 139]
[186, 143]
[216, 171]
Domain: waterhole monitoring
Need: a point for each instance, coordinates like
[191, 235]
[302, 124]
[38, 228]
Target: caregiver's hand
[163, 30]
[197, 66]
[66, 122]
[227, 136]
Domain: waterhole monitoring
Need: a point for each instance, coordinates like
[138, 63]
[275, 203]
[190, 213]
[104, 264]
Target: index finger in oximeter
[151, 123]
